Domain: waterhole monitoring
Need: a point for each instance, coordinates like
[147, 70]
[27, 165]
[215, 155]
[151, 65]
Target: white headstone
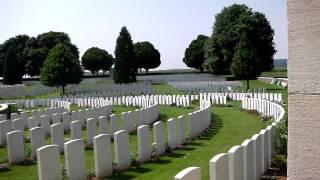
[122, 152]
[48, 160]
[236, 171]
[190, 173]
[144, 146]
[57, 135]
[248, 163]
[113, 123]
[18, 124]
[103, 155]
[91, 130]
[172, 133]
[76, 129]
[219, 167]
[37, 140]
[103, 125]
[5, 127]
[15, 146]
[182, 129]
[75, 160]
[159, 138]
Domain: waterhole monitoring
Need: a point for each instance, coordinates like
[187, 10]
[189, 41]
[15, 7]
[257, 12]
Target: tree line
[55, 59]
[241, 44]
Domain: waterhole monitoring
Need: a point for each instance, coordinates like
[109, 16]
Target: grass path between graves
[230, 127]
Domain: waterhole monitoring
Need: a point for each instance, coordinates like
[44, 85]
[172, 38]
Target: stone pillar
[304, 89]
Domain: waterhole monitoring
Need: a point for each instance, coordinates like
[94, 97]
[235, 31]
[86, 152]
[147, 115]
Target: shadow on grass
[214, 129]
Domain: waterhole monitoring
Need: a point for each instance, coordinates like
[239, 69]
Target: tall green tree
[220, 48]
[10, 72]
[37, 49]
[95, 59]
[18, 43]
[147, 56]
[244, 64]
[194, 54]
[125, 60]
[61, 68]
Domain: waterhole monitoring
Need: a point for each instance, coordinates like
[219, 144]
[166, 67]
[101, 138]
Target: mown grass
[230, 127]
[165, 89]
[277, 73]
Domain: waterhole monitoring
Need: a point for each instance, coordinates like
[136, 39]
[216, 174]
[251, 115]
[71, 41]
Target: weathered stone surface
[304, 89]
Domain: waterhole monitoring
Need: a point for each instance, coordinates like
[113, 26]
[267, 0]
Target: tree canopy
[18, 43]
[10, 74]
[37, 49]
[244, 64]
[125, 61]
[61, 67]
[147, 56]
[194, 54]
[227, 31]
[95, 59]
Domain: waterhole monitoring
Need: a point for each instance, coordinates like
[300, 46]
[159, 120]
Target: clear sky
[170, 25]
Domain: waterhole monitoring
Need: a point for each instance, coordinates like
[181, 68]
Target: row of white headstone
[247, 161]
[33, 103]
[22, 91]
[44, 118]
[203, 86]
[48, 156]
[273, 97]
[100, 90]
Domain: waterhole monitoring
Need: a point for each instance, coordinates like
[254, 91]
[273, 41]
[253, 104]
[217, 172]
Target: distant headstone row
[204, 86]
[21, 91]
[249, 160]
[164, 78]
[112, 90]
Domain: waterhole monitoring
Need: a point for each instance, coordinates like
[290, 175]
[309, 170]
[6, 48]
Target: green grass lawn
[230, 127]
[165, 89]
[277, 73]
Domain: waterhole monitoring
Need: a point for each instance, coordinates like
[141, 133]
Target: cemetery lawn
[230, 127]
[277, 73]
[165, 89]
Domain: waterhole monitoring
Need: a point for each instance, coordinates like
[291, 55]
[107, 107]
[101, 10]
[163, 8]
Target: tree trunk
[248, 84]
[63, 90]
[147, 71]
